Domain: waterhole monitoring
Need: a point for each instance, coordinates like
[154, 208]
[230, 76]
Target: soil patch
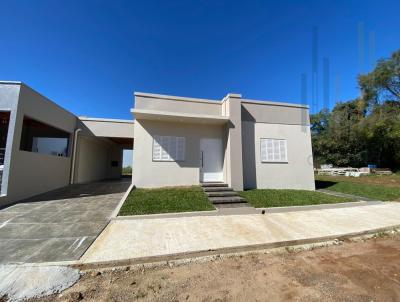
[353, 271]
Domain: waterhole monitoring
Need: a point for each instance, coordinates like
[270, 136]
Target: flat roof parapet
[96, 119]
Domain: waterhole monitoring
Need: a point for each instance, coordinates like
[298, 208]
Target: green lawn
[350, 186]
[265, 198]
[165, 200]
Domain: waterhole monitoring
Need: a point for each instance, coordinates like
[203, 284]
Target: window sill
[167, 161]
[274, 162]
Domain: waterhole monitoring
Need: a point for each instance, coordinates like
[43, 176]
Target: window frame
[274, 161]
[170, 159]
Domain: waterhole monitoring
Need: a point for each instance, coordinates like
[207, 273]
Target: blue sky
[89, 56]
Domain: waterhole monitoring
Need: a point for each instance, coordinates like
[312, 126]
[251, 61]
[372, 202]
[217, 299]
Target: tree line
[365, 130]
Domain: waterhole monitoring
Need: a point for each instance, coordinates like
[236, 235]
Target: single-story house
[177, 141]
[182, 141]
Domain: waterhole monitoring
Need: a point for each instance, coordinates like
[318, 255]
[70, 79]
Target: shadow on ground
[324, 184]
[80, 190]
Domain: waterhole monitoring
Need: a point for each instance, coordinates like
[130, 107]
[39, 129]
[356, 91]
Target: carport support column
[233, 156]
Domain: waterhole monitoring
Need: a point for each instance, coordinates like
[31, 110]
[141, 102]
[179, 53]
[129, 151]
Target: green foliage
[127, 170]
[383, 83]
[366, 130]
[265, 198]
[165, 200]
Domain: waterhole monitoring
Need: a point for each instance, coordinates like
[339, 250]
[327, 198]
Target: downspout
[74, 155]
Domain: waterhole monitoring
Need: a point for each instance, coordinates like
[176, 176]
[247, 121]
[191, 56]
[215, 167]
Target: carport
[98, 149]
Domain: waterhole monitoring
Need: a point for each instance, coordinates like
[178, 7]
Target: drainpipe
[74, 155]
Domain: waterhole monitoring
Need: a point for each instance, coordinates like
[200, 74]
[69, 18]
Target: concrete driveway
[59, 225]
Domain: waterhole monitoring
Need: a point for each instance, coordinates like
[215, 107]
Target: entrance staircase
[223, 196]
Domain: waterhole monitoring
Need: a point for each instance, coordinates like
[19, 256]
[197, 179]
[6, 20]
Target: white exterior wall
[296, 174]
[34, 173]
[177, 104]
[150, 174]
[93, 160]
[107, 127]
[9, 96]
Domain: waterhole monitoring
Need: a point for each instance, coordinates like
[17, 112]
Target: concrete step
[233, 199]
[221, 194]
[217, 189]
[213, 184]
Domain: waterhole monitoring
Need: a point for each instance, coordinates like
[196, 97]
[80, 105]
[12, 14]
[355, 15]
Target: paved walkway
[141, 238]
[59, 225]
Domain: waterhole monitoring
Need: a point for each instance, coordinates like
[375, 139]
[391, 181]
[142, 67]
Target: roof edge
[11, 82]
[111, 120]
[272, 103]
[177, 98]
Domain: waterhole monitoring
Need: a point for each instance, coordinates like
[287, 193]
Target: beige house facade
[177, 141]
[245, 143]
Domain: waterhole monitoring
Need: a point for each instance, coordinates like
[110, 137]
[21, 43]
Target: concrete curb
[217, 212]
[227, 250]
[167, 215]
[124, 197]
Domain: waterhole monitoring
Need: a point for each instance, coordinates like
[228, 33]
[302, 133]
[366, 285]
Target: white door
[211, 160]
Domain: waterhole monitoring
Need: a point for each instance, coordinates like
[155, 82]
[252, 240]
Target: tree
[383, 83]
[366, 130]
[382, 135]
[336, 141]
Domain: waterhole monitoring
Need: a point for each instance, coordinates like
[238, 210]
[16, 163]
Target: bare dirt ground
[352, 271]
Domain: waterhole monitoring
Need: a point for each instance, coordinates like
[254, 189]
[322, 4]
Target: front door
[211, 160]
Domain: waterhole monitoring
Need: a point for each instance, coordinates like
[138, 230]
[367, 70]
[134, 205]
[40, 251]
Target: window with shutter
[273, 150]
[168, 148]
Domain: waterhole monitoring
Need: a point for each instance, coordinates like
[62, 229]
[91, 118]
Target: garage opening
[126, 145]
[127, 162]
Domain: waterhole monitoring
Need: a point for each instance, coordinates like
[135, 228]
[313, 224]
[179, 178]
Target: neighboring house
[178, 142]
[44, 147]
[245, 143]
